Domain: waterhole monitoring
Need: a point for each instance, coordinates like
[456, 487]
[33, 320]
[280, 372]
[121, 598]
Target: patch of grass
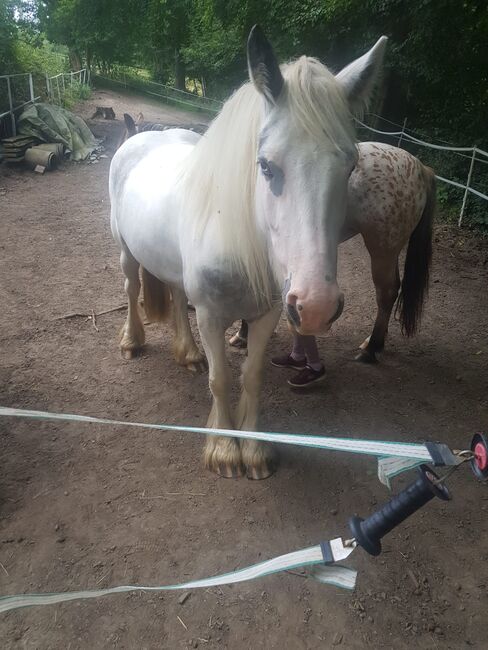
[74, 93]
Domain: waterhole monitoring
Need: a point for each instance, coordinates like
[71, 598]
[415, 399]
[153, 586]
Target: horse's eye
[265, 168]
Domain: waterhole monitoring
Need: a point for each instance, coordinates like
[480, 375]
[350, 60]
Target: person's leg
[295, 359]
[314, 371]
[309, 346]
[298, 351]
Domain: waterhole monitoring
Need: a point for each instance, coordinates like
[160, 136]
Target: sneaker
[307, 377]
[287, 361]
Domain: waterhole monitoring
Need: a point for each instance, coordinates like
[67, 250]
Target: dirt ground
[84, 506]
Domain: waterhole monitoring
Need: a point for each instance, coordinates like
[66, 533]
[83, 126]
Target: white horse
[252, 210]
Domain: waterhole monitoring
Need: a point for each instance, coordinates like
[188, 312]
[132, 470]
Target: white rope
[329, 574]
[369, 447]
[464, 187]
[406, 135]
[409, 134]
[410, 138]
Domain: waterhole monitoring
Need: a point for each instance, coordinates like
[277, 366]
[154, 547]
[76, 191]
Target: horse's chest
[225, 290]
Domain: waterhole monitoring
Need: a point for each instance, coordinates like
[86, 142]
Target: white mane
[220, 175]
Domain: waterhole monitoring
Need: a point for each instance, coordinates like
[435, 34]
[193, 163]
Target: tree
[105, 31]
[7, 35]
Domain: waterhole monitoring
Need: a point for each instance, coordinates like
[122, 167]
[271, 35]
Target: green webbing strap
[332, 574]
[369, 447]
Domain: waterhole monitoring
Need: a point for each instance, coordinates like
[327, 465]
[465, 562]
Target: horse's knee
[218, 385]
[132, 287]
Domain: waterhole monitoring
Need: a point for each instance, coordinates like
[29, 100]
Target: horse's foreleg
[184, 347]
[259, 458]
[132, 333]
[221, 455]
[386, 278]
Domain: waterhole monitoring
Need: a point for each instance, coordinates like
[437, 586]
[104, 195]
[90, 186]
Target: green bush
[42, 57]
[74, 93]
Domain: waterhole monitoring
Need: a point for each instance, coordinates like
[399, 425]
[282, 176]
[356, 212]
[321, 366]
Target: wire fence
[185, 98]
[19, 90]
[16, 91]
[407, 139]
[448, 173]
[59, 84]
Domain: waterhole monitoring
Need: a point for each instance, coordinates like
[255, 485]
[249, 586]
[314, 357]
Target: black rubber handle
[368, 532]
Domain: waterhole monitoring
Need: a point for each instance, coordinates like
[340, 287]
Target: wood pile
[14, 148]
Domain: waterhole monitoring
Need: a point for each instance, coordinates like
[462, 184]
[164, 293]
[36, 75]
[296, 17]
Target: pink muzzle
[312, 311]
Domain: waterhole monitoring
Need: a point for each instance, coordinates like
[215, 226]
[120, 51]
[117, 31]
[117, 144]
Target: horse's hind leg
[184, 347]
[386, 278]
[258, 457]
[132, 333]
[239, 340]
[222, 454]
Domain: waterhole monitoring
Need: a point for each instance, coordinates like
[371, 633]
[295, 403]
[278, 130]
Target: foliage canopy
[436, 72]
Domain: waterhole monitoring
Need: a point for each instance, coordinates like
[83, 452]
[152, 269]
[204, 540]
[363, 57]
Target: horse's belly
[148, 214]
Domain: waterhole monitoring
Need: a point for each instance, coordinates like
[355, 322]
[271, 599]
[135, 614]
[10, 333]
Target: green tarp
[52, 123]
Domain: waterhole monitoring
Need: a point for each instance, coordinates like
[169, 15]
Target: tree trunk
[75, 60]
[179, 71]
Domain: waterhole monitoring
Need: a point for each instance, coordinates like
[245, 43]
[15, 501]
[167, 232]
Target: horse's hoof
[238, 342]
[129, 353]
[260, 459]
[261, 472]
[366, 356]
[229, 470]
[365, 343]
[198, 367]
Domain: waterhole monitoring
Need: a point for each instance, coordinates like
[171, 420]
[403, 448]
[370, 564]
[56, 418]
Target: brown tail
[415, 283]
[157, 297]
[130, 125]
[130, 130]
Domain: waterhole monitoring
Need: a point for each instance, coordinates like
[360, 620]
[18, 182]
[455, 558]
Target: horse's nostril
[339, 309]
[299, 307]
[293, 315]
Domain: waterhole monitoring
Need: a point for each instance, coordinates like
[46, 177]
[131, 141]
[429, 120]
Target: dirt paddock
[85, 506]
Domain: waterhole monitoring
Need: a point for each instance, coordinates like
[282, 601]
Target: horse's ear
[140, 119]
[360, 77]
[264, 70]
[129, 125]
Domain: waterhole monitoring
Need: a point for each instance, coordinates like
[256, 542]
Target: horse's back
[387, 194]
[138, 148]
